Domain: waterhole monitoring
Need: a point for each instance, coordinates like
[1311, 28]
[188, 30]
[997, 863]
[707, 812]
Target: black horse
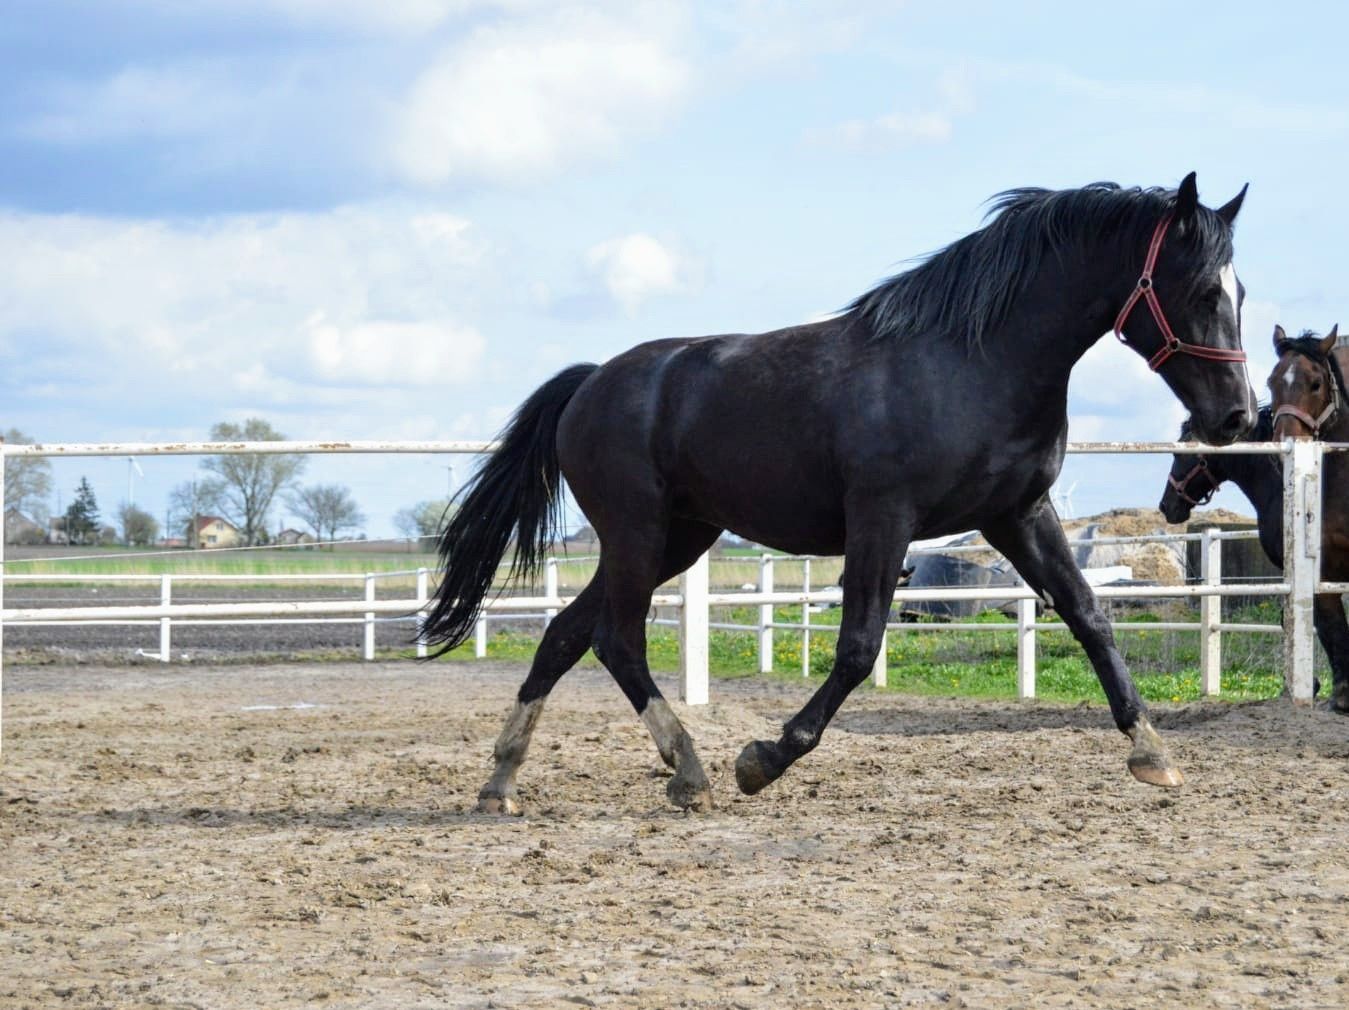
[937, 402]
[1193, 480]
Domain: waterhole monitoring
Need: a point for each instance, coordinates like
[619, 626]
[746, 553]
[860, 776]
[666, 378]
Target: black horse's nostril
[1237, 423]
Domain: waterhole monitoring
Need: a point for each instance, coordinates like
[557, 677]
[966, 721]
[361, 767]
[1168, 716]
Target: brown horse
[1310, 401]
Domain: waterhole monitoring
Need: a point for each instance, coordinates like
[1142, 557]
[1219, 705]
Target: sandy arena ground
[302, 835]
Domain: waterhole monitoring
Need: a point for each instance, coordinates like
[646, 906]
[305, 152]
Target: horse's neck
[1260, 482]
[1066, 309]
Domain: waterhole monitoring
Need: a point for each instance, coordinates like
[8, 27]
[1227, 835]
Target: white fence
[1302, 501]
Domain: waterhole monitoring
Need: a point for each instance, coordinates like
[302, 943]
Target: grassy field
[1165, 664]
[264, 563]
[261, 563]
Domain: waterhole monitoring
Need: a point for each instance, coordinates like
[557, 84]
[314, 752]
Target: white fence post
[1210, 614]
[550, 589]
[1301, 562]
[693, 629]
[422, 597]
[805, 620]
[165, 623]
[1025, 648]
[480, 638]
[766, 615]
[878, 668]
[368, 649]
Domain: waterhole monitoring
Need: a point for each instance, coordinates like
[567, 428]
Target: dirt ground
[302, 835]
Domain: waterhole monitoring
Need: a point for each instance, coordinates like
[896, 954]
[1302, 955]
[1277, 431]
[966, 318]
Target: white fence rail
[1302, 510]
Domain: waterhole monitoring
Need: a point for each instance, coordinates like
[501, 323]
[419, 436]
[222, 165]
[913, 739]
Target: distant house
[293, 538]
[19, 529]
[211, 532]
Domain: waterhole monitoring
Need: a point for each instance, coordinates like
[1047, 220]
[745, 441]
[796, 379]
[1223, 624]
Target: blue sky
[394, 219]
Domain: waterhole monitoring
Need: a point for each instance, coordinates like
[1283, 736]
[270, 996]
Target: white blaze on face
[1227, 277]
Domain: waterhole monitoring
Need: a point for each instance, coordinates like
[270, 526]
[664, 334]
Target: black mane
[967, 289]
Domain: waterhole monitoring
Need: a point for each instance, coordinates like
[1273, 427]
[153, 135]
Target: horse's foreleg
[564, 642]
[871, 570]
[1333, 631]
[1035, 544]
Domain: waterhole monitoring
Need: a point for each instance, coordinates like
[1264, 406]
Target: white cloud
[934, 125]
[253, 305]
[635, 267]
[393, 353]
[519, 98]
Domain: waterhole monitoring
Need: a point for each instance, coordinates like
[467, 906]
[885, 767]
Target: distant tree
[28, 479]
[327, 509]
[250, 481]
[425, 519]
[139, 528]
[82, 515]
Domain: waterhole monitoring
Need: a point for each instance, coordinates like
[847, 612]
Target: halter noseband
[1171, 343]
[1334, 380]
[1181, 487]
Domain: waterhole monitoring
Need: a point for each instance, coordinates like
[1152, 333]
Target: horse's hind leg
[632, 572]
[565, 641]
[1333, 631]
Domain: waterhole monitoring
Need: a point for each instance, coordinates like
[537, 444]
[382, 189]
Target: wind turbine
[1063, 501]
[133, 470]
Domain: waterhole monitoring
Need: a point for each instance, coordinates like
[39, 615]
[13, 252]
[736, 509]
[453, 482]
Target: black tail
[516, 495]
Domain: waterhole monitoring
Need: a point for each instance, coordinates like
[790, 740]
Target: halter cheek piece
[1181, 487]
[1171, 343]
[1332, 407]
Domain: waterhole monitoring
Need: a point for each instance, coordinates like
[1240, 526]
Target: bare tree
[189, 501]
[250, 481]
[326, 509]
[139, 528]
[425, 519]
[28, 479]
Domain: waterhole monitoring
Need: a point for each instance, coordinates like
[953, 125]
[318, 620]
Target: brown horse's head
[1307, 385]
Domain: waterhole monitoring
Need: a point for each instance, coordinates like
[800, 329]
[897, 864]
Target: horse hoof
[695, 796]
[500, 806]
[755, 767]
[1149, 762]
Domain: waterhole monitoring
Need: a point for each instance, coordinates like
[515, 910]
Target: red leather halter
[1144, 290]
[1182, 486]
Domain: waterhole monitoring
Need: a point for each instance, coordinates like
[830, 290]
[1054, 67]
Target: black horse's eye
[1316, 385]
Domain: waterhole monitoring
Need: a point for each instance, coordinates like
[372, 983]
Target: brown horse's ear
[1328, 341]
[1228, 211]
[1187, 198]
[1279, 336]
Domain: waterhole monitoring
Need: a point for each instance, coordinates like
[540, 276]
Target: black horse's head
[1184, 315]
[1307, 384]
[1195, 477]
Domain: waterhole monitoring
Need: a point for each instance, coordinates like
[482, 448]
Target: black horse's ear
[1187, 198]
[1228, 211]
[1328, 341]
[1279, 338]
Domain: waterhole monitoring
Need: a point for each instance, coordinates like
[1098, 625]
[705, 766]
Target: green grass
[1164, 664]
[262, 565]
